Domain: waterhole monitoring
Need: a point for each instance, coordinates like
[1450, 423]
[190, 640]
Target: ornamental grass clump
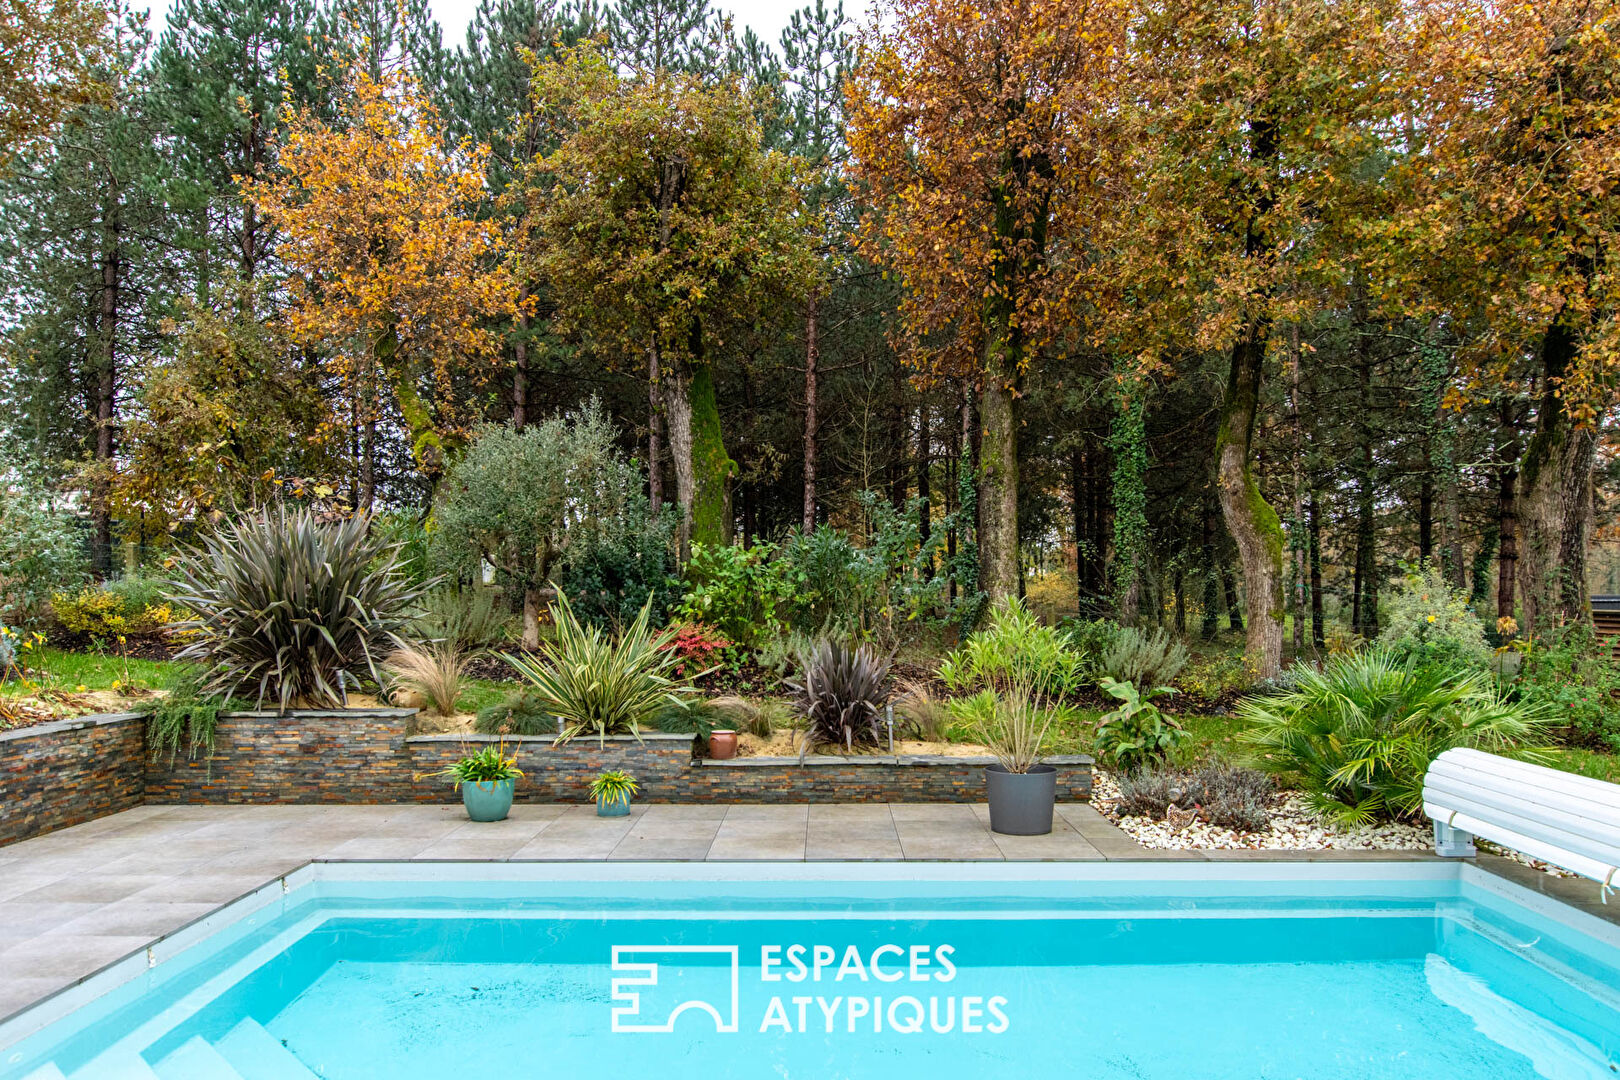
[1358, 735]
[291, 609]
[842, 696]
[432, 670]
[1016, 726]
[597, 685]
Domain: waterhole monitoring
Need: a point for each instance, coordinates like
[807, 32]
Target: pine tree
[663, 35]
[87, 272]
[226, 74]
[816, 51]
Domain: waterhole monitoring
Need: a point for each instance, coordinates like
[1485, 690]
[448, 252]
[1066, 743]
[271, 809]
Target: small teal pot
[487, 800]
[619, 807]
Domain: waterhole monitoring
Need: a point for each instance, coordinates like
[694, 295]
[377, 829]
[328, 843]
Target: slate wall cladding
[304, 756]
[67, 772]
[61, 774]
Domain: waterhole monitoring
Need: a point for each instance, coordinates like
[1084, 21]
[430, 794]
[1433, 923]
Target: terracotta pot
[722, 744]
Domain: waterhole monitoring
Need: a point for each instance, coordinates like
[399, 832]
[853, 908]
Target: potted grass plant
[612, 791]
[1022, 792]
[487, 779]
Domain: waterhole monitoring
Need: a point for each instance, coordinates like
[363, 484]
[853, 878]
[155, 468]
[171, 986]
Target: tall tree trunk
[1249, 518]
[702, 468]
[1507, 514]
[106, 392]
[1297, 541]
[1318, 626]
[924, 463]
[1555, 498]
[998, 486]
[655, 432]
[812, 360]
[1365, 605]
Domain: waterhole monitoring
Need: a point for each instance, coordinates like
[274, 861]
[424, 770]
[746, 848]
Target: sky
[767, 17]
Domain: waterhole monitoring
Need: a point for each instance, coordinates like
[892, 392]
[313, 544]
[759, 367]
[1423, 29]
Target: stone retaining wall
[60, 774]
[63, 773]
[875, 779]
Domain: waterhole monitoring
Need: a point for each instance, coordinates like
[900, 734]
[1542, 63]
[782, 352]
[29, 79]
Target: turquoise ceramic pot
[487, 800]
[619, 807]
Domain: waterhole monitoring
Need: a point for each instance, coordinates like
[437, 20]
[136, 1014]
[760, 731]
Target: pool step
[123, 1063]
[46, 1071]
[196, 1060]
[258, 1055]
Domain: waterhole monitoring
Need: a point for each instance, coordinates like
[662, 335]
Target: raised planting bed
[62, 773]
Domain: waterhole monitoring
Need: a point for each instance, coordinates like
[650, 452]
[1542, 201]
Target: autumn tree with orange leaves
[1250, 122]
[394, 280]
[1512, 217]
[980, 134]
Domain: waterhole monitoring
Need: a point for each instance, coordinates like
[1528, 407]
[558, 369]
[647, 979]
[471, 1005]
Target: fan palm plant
[596, 685]
[1359, 734]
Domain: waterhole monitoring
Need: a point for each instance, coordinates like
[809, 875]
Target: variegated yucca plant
[291, 609]
[597, 685]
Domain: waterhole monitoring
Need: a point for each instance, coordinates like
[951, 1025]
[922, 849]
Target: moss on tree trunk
[1250, 519]
[697, 449]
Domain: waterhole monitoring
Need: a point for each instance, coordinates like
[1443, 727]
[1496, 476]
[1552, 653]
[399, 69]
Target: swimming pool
[1202, 971]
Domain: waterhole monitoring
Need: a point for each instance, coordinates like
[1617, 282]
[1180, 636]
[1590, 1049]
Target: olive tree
[520, 499]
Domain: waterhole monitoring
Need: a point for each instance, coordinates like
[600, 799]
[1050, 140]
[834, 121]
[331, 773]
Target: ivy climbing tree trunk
[1554, 498]
[1127, 443]
[1250, 519]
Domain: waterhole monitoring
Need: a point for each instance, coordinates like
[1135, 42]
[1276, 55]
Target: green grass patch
[97, 671]
[481, 693]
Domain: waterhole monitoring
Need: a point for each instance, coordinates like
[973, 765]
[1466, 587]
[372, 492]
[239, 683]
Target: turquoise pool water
[1418, 976]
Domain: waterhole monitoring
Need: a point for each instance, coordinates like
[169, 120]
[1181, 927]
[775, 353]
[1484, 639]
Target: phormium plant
[291, 609]
[842, 696]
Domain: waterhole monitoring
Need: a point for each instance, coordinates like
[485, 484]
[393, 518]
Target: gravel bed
[1293, 827]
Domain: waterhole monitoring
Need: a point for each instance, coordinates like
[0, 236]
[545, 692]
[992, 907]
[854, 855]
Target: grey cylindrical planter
[487, 800]
[1021, 803]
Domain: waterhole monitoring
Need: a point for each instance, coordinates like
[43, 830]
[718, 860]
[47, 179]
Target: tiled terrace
[77, 899]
